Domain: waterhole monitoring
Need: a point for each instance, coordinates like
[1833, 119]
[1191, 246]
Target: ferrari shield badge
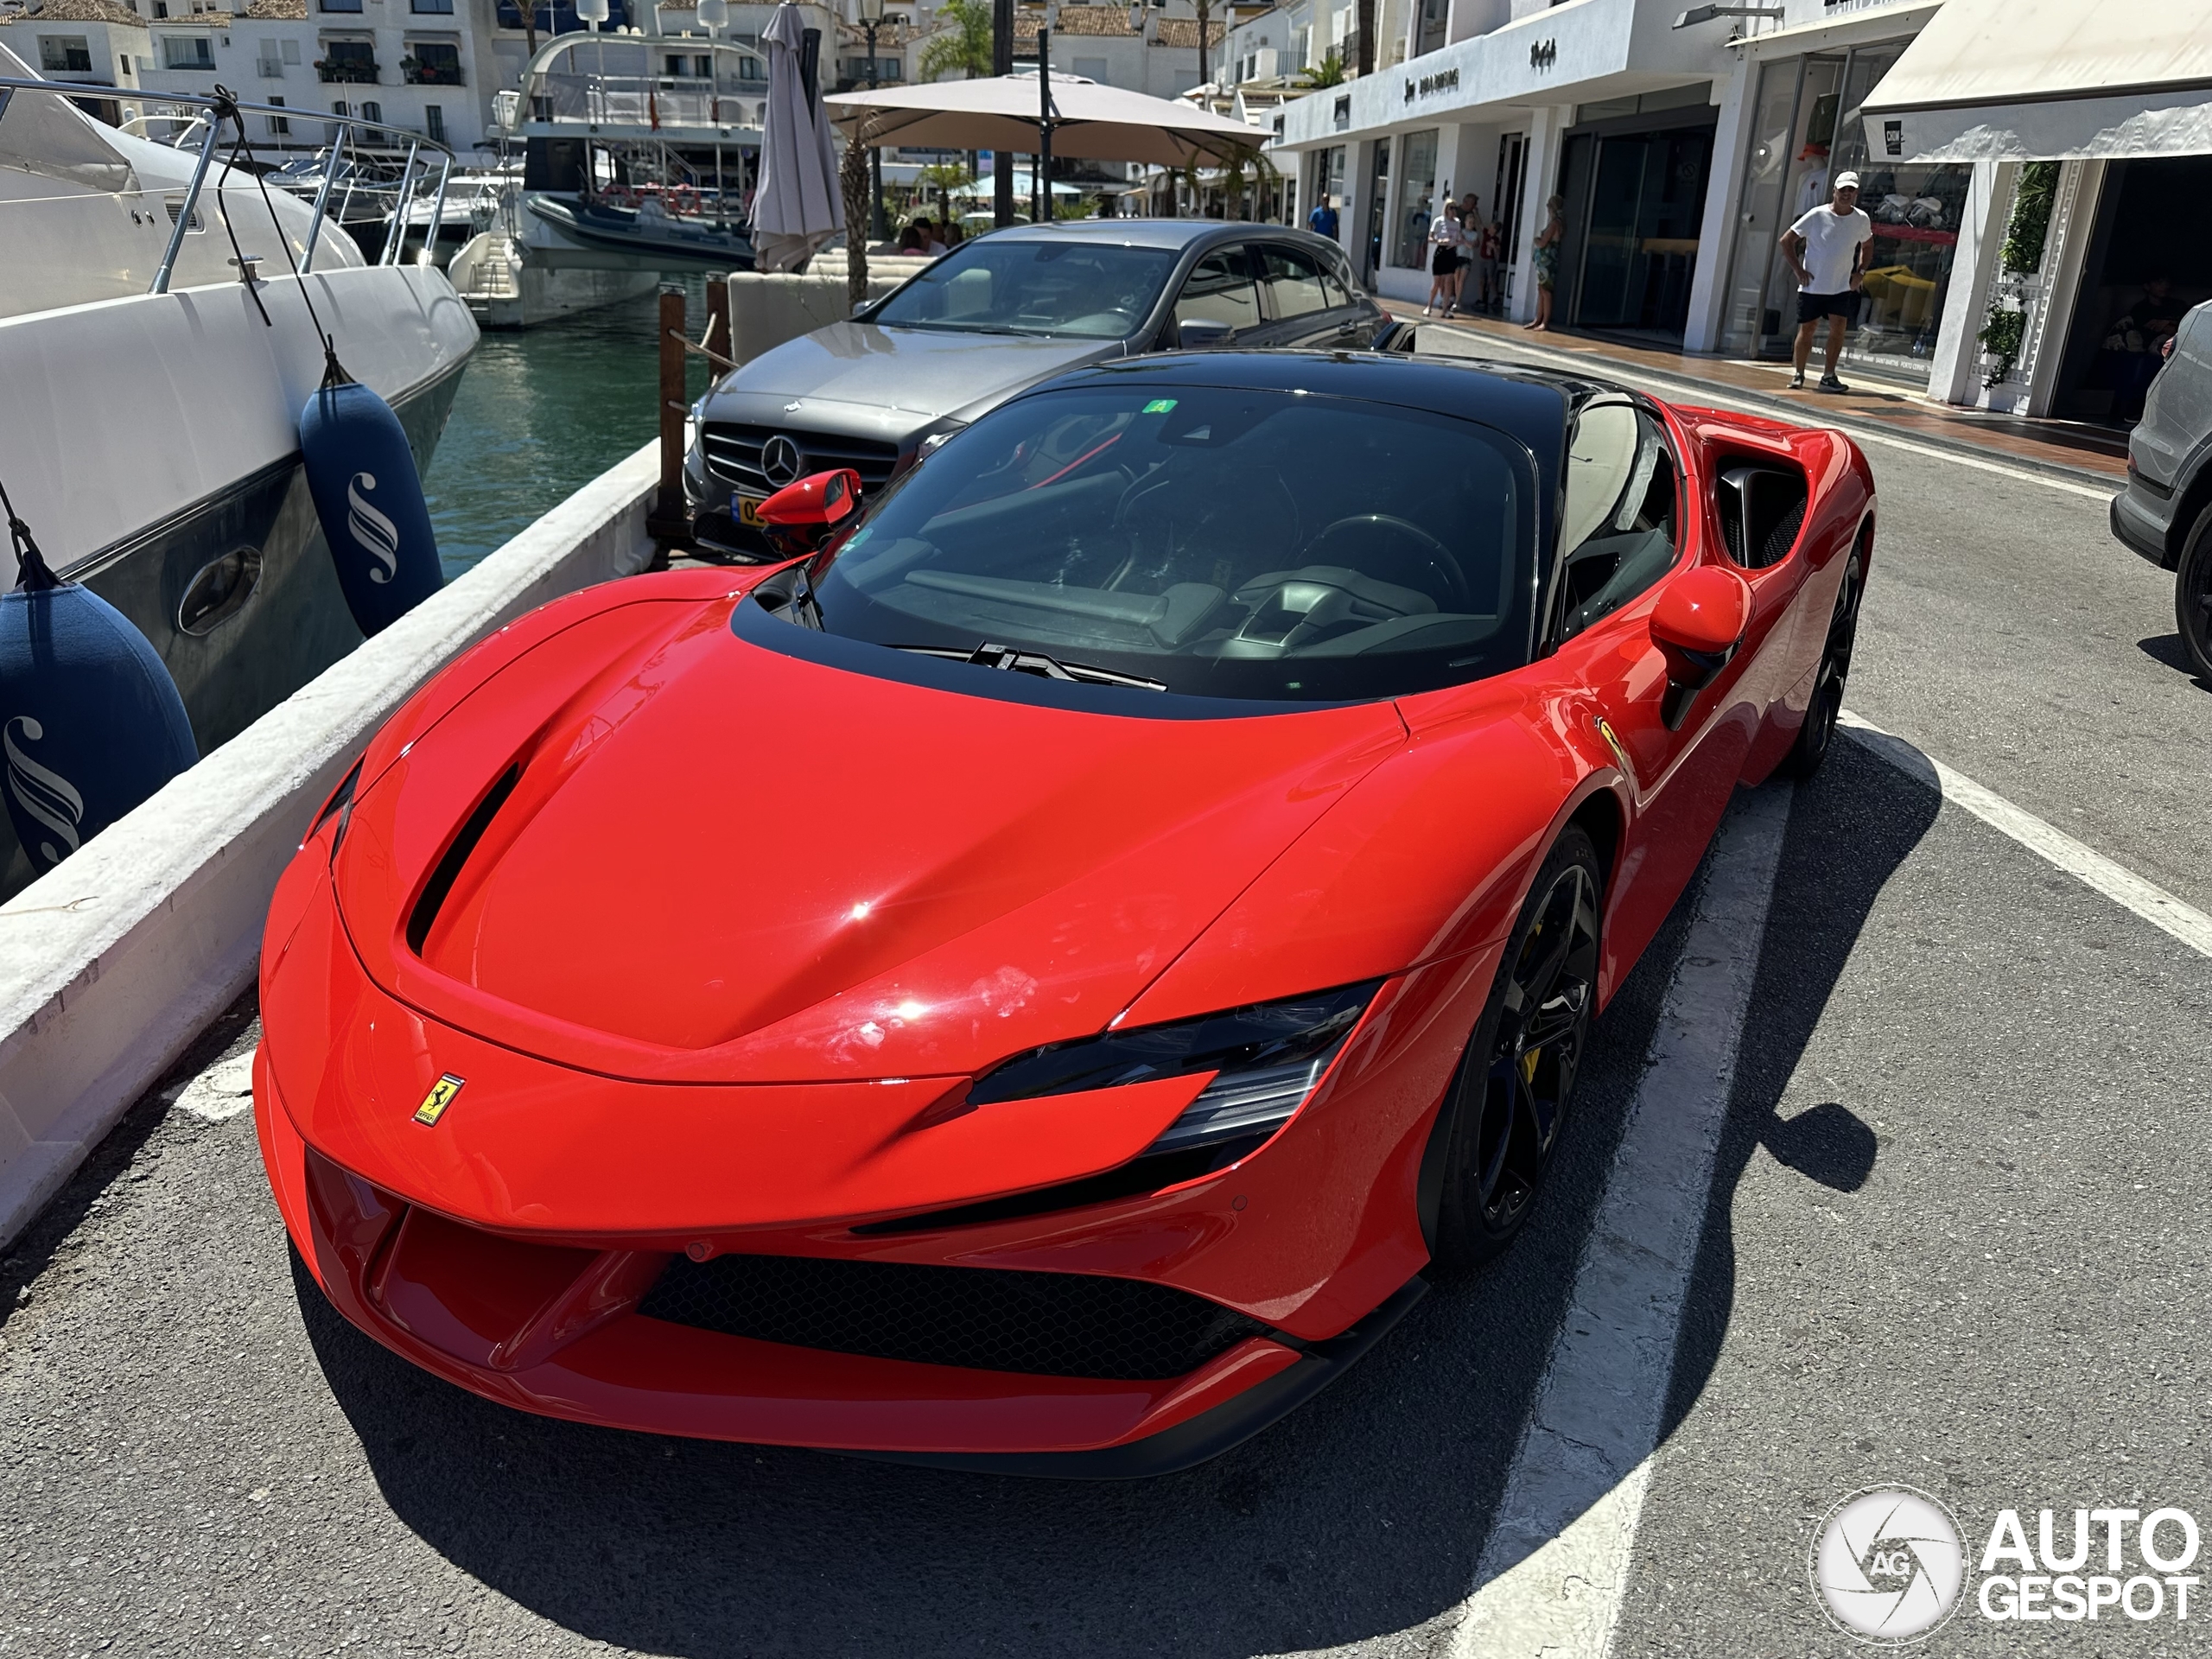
[440, 1096]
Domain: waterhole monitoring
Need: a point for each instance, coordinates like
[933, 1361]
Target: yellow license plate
[748, 511]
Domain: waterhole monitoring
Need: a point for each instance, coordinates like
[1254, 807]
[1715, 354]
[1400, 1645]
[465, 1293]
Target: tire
[1509, 1100]
[2193, 595]
[1817, 736]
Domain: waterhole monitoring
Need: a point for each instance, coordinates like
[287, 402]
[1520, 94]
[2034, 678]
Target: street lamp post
[1001, 64]
[1041, 200]
[714, 14]
[872, 20]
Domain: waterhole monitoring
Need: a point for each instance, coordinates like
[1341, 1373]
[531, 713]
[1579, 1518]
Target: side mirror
[1199, 333]
[1697, 625]
[798, 518]
[1396, 337]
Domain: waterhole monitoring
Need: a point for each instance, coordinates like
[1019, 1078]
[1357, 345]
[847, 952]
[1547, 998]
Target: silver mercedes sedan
[992, 317]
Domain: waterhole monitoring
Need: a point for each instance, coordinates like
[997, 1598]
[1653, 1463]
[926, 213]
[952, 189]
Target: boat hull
[143, 498]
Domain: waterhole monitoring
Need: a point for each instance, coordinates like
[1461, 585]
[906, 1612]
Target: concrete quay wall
[114, 961]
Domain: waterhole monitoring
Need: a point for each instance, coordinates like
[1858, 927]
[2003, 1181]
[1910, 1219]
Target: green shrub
[2030, 224]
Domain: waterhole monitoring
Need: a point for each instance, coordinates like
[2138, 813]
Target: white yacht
[629, 172]
[149, 429]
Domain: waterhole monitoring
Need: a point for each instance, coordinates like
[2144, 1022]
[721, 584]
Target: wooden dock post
[669, 522]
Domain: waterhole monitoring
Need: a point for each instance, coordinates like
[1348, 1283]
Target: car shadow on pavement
[1360, 1516]
[1850, 830]
[2167, 648]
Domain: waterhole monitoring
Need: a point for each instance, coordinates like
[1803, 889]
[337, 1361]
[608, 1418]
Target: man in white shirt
[1827, 251]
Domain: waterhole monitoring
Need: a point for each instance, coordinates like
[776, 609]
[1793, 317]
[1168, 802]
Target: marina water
[542, 411]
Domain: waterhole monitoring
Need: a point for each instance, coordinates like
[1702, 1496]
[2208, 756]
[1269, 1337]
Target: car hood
[658, 850]
[917, 371]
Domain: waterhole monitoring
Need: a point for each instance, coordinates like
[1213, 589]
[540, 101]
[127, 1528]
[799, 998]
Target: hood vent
[456, 856]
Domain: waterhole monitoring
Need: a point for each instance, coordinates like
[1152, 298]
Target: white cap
[1847, 181]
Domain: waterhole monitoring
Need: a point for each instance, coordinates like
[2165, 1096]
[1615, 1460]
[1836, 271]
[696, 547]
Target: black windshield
[1265, 545]
[998, 286]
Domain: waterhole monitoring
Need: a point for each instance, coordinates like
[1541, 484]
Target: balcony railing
[364, 74]
[429, 74]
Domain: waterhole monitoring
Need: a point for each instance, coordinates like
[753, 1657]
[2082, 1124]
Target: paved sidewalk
[2095, 453]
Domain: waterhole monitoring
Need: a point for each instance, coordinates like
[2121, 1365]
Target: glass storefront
[1806, 129]
[1378, 195]
[1634, 185]
[1416, 199]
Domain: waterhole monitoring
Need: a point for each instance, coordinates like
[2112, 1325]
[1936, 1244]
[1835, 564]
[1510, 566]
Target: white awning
[2041, 80]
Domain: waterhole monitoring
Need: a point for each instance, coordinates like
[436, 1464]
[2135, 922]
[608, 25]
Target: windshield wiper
[1020, 660]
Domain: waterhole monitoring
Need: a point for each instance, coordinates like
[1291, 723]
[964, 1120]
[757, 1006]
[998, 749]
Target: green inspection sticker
[1158, 406]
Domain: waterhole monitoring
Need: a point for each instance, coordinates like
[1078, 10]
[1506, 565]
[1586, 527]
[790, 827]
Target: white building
[410, 64]
[97, 41]
[1682, 154]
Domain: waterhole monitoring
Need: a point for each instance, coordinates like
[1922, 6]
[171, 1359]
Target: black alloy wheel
[1817, 736]
[1502, 1120]
[2193, 595]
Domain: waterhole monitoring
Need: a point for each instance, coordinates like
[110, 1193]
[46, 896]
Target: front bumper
[554, 1328]
[509, 1248]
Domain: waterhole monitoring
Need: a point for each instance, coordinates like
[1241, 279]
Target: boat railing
[369, 146]
[648, 101]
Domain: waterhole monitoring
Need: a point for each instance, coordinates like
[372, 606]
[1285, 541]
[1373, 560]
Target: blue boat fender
[90, 723]
[369, 497]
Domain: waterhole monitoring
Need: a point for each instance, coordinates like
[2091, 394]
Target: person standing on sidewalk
[1322, 221]
[1445, 240]
[1547, 261]
[1828, 249]
[1474, 258]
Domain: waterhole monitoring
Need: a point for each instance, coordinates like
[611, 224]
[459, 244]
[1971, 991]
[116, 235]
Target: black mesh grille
[984, 1318]
[1783, 536]
[733, 454]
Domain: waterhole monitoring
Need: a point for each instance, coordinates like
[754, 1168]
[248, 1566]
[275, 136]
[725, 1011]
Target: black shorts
[1444, 262]
[1811, 308]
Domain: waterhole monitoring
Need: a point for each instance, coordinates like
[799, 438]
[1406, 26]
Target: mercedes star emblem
[780, 460]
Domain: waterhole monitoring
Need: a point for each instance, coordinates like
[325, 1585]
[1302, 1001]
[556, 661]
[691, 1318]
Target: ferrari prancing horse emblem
[440, 1096]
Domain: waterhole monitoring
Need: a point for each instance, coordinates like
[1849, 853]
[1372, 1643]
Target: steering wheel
[1432, 551]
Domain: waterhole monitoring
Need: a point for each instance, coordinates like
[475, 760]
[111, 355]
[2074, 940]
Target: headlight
[1268, 1058]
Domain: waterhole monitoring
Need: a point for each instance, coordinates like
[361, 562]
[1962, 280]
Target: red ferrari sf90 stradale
[1036, 980]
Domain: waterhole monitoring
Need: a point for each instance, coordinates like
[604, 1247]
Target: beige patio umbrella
[1091, 122]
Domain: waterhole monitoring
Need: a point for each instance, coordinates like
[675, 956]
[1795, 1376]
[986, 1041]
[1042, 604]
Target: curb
[119, 957]
[1843, 419]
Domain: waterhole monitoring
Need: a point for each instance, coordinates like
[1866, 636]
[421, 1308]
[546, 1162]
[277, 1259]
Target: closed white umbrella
[797, 208]
[1092, 123]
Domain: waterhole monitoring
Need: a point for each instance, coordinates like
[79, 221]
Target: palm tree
[966, 47]
[1234, 186]
[1330, 71]
[1366, 37]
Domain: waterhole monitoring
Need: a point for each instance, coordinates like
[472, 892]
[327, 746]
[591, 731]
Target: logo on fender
[440, 1096]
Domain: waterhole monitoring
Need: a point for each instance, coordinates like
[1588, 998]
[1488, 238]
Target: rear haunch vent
[985, 1319]
[449, 870]
[1761, 510]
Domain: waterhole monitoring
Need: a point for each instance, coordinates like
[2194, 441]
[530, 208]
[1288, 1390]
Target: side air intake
[1762, 509]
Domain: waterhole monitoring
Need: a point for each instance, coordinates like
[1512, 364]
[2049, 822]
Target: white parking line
[1556, 1563]
[2118, 883]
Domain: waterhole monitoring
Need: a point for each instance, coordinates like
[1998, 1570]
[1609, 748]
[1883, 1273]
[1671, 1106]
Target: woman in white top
[1445, 240]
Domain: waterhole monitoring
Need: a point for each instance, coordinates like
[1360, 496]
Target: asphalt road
[1957, 1238]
